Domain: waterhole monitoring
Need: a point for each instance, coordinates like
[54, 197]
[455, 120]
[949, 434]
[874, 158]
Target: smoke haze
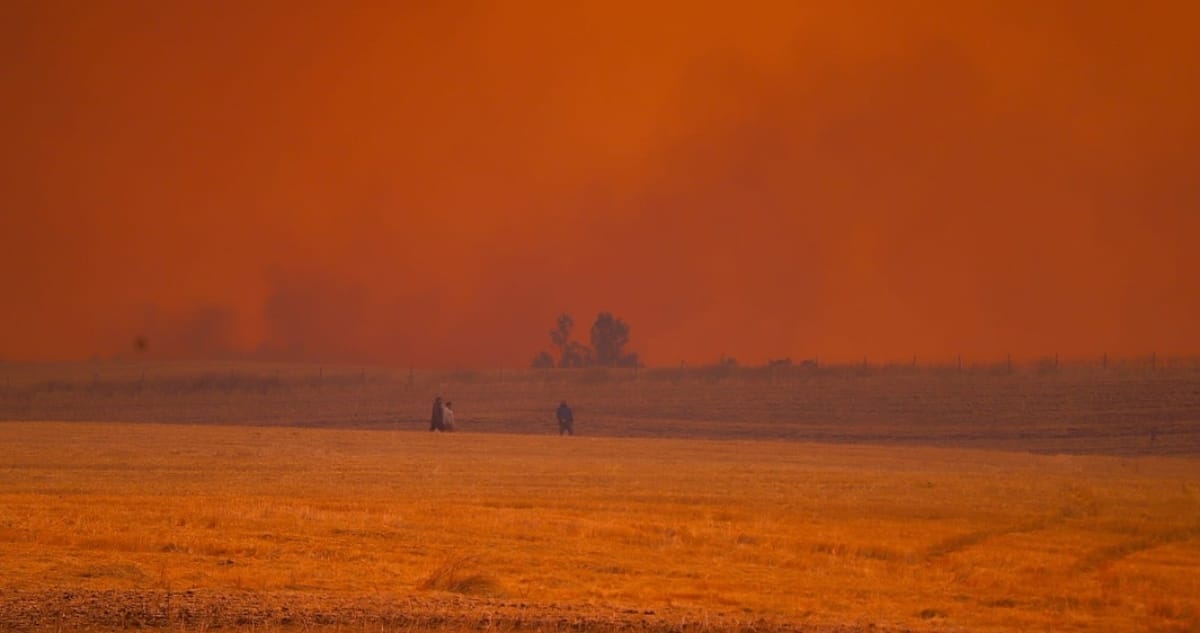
[431, 185]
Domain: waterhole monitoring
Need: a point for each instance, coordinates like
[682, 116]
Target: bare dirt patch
[204, 610]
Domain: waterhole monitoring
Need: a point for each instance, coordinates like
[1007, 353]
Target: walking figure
[435, 421]
[448, 417]
[566, 421]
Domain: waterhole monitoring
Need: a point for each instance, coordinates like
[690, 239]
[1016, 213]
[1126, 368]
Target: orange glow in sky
[431, 184]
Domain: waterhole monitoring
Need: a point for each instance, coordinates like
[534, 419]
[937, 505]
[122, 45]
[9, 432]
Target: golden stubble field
[112, 526]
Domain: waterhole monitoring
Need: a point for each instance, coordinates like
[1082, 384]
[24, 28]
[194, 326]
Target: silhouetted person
[448, 417]
[566, 420]
[435, 422]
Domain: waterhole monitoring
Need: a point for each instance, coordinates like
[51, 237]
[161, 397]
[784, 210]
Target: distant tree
[560, 336]
[543, 360]
[576, 355]
[609, 336]
[570, 353]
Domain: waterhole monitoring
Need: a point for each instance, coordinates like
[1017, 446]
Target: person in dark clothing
[566, 420]
[435, 422]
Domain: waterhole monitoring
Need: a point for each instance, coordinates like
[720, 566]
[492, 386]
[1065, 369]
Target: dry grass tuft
[460, 574]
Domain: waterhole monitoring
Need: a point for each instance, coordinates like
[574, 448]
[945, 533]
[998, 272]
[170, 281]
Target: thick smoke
[433, 186]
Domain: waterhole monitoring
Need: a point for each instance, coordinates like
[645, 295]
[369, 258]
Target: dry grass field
[282, 499]
[1124, 409]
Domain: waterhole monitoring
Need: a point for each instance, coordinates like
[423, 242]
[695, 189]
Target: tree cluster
[608, 337]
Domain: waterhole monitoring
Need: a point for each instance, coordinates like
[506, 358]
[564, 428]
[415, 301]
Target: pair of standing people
[442, 418]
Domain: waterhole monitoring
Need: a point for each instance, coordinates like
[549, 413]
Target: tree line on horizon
[608, 337]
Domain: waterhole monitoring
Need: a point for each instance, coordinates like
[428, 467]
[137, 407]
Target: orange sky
[432, 185]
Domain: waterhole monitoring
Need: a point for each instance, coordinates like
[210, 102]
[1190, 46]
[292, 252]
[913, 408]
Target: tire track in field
[1079, 503]
[1105, 556]
[960, 542]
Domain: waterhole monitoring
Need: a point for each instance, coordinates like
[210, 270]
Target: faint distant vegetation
[21, 381]
[175, 379]
[609, 336]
